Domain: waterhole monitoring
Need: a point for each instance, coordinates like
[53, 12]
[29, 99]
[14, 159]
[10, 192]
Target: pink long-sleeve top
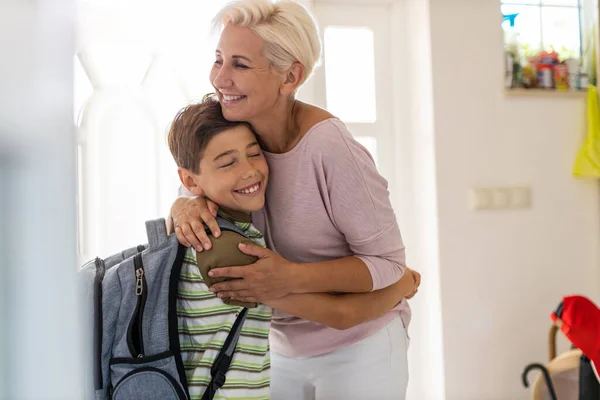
[325, 200]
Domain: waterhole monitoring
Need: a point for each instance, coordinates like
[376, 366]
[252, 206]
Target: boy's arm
[343, 311]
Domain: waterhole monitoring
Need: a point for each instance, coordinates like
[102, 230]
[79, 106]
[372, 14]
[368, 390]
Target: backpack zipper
[136, 338]
[139, 284]
[100, 271]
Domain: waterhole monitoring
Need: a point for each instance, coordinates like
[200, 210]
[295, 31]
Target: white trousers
[375, 368]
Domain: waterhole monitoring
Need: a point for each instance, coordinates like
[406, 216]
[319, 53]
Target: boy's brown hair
[193, 127]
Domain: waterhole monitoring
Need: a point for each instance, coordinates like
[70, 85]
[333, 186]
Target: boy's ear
[187, 179]
[293, 77]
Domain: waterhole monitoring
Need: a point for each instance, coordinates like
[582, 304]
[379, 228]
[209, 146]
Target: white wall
[502, 272]
[39, 330]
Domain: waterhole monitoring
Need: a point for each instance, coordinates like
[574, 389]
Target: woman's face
[246, 84]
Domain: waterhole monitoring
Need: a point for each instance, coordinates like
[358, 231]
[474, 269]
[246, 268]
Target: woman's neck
[279, 132]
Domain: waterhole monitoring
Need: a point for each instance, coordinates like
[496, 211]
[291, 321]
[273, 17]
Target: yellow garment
[587, 163]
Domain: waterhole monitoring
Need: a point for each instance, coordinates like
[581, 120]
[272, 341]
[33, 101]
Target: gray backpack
[135, 342]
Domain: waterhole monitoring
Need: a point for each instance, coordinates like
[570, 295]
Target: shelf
[548, 93]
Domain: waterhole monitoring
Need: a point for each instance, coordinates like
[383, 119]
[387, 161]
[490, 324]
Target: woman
[327, 218]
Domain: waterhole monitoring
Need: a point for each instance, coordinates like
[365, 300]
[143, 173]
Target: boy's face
[233, 171]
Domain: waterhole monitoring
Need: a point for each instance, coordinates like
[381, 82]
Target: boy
[222, 160]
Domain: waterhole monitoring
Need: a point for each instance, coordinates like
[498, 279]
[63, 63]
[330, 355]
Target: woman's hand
[189, 214]
[269, 278]
[416, 282]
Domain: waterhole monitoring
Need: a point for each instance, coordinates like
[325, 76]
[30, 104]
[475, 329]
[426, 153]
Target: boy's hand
[189, 215]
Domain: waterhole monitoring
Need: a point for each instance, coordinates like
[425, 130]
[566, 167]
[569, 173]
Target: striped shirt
[204, 322]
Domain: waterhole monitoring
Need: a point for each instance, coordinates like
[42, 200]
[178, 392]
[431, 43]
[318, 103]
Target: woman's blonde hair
[288, 29]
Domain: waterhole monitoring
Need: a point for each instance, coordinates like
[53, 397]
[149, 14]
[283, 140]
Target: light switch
[521, 197]
[501, 198]
[480, 198]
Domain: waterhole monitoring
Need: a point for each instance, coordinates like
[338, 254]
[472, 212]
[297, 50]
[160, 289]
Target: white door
[355, 81]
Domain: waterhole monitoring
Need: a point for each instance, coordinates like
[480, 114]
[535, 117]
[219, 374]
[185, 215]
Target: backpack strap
[157, 232]
[223, 361]
[227, 226]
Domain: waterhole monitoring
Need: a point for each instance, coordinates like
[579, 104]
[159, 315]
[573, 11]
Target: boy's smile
[249, 190]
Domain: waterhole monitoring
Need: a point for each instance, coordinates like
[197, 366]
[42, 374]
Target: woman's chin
[232, 114]
[235, 113]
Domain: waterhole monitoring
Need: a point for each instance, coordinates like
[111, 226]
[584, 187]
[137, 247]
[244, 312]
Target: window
[545, 25]
[349, 54]
[136, 64]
